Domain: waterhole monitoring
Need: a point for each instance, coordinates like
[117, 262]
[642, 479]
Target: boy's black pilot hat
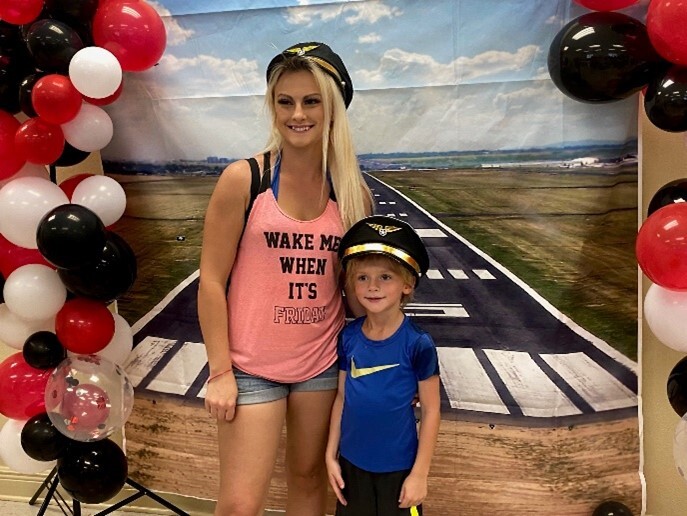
[388, 236]
[328, 60]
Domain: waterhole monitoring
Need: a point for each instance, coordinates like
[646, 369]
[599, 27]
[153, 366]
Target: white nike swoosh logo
[364, 371]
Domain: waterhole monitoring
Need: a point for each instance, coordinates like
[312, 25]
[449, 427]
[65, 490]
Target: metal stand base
[51, 482]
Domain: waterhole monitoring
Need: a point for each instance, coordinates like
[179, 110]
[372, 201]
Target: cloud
[176, 34]
[372, 37]
[204, 76]
[409, 68]
[352, 13]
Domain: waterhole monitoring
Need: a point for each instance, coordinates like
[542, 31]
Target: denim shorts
[253, 389]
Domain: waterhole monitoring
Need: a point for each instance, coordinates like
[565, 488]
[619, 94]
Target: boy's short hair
[406, 275]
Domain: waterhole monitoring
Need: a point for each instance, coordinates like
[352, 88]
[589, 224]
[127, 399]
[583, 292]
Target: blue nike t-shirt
[378, 431]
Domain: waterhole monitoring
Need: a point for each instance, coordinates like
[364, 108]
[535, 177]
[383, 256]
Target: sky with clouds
[432, 75]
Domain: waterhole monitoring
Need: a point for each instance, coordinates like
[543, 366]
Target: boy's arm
[414, 488]
[332, 453]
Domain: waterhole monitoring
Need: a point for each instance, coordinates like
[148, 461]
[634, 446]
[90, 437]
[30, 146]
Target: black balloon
[677, 387]
[93, 472]
[10, 38]
[670, 193]
[10, 77]
[612, 508]
[602, 57]
[665, 101]
[108, 278]
[41, 440]
[43, 350]
[71, 11]
[71, 156]
[70, 236]
[52, 45]
[25, 88]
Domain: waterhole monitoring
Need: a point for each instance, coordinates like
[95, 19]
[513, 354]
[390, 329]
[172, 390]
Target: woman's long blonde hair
[353, 197]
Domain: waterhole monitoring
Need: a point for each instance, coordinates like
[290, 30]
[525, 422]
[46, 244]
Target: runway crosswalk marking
[177, 376]
[458, 273]
[381, 202]
[598, 387]
[466, 383]
[531, 388]
[145, 357]
[403, 214]
[435, 310]
[431, 233]
[483, 274]
[434, 274]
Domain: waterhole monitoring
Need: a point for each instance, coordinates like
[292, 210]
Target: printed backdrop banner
[526, 199]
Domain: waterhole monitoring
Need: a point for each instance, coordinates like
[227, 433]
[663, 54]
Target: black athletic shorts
[372, 494]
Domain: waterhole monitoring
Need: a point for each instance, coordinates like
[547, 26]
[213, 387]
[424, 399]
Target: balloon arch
[64, 391]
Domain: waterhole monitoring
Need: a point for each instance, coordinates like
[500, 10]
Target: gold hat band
[382, 248]
[324, 64]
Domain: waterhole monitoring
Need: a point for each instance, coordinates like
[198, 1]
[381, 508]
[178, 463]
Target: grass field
[570, 236]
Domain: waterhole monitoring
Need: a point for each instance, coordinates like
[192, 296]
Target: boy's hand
[335, 479]
[413, 491]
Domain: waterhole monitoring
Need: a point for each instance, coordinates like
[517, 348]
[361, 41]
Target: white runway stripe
[483, 274]
[434, 274]
[532, 390]
[458, 273]
[178, 375]
[431, 233]
[145, 356]
[466, 383]
[436, 310]
[598, 387]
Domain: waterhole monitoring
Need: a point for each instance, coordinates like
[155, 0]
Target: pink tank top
[284, 301]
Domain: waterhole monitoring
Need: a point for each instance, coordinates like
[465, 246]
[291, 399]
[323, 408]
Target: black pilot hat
[328, 60]
[388, 236]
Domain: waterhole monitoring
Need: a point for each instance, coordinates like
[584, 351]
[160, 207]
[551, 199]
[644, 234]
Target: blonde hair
[353, 197]
[397, 267]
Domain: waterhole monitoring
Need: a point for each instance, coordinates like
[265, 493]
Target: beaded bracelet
[219, 374]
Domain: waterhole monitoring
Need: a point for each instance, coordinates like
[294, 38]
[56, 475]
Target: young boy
[376, 464]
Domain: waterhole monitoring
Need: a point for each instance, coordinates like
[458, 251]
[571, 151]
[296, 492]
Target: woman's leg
[247, 452]
[307, 421]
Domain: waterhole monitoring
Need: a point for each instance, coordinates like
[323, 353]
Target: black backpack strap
[254, 184]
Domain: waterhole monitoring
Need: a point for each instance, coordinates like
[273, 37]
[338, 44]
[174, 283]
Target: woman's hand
[220, 398]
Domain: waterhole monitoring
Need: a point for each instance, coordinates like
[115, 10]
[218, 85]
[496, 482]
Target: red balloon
[85, 406]
[69, 185]
[39, 142]
[106, 100]
[661, 246]
[10, 160]
[22, 388]
[132, 31]
[605, 5]
[12, 257]
[84, 326]
[665, 23]
[55, 99]
[20, 12]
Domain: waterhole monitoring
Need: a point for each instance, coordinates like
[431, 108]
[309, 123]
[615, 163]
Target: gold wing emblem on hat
[383, 230]
[301, 51]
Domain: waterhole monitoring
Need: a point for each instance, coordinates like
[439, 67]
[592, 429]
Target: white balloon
[102, 195]
[119, 348]
[23, 203]
[12, 453]
[95, 72]
[34, 291]
[28, 170]
[90, 130]
[14, 330]
[680, 447]
[665, 312]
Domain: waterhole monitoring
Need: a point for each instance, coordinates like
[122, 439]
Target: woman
[271, 336]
